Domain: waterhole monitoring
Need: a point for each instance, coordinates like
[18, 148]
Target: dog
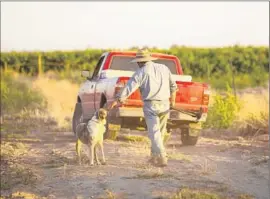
[91, 134]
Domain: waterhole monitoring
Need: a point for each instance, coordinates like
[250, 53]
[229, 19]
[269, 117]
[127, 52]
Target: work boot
[153, 160]
[162, 161]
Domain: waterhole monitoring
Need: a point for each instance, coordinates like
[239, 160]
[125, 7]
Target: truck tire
[77, 116]
[110, 134]
[186, 139]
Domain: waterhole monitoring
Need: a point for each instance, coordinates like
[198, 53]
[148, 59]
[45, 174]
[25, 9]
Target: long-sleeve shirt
[154, 81]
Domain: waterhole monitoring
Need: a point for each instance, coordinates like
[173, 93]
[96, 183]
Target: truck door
[88, 97]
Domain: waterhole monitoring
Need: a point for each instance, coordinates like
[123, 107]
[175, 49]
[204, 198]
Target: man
[157, 87]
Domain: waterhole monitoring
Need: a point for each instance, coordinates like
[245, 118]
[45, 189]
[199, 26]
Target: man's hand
[113, 104]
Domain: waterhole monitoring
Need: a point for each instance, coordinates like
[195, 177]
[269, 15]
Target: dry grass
[140, 129]
[13, 136]
[26, 122]
[12, 171]
[179, 156]
[133, 138]
[253, 117]
[9, 150]
[202, 193]
[111, 195]
[151, 174]
[187, 193]
[18, 174]
[61, 96]
[245, 196]
[57, 160]
[206, 168]
[24, 195]
[9, 137]
[254, 103]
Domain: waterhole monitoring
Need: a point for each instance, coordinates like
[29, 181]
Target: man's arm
[173, 89]
[132, 85]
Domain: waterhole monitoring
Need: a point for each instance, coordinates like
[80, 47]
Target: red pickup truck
[112, 72]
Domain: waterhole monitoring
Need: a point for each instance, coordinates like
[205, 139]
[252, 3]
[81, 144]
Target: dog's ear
[106, 108]
[103, 110]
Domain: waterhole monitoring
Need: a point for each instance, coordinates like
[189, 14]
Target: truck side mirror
[87, 74]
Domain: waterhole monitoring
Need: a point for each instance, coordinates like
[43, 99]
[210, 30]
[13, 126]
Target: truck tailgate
[192, 96]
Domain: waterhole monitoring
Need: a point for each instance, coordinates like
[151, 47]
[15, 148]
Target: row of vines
[249, 65]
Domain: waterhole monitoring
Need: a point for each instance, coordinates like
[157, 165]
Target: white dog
[91, 134]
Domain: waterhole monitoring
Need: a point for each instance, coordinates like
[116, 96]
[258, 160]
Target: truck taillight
[117, 88]
[120, 84]
[206, 94]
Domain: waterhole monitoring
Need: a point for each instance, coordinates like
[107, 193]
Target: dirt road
[228, 168]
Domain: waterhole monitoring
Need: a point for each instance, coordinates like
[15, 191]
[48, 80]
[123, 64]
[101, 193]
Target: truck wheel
[77, 117]
[186, 139]
[112, 125]
[110, 134]
[112, 131]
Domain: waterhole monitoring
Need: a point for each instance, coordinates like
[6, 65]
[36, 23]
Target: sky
[29, 26]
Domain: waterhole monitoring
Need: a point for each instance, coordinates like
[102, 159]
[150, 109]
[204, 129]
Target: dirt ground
[227, 167]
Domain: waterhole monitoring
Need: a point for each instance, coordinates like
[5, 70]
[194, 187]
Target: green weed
[223, 112]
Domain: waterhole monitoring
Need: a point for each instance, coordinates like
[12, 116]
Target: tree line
[201, 63]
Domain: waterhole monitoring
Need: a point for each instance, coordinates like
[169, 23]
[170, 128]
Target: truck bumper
[174, 115]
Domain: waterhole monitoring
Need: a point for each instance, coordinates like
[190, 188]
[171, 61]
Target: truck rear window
[123, 63]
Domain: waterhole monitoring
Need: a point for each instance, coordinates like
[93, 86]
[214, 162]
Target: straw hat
[143, 55]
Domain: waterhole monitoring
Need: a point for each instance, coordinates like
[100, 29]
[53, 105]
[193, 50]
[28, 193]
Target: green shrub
[17, 95]
[223, 112]
[72, 76]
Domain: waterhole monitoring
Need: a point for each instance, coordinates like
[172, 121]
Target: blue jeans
[156, 115]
